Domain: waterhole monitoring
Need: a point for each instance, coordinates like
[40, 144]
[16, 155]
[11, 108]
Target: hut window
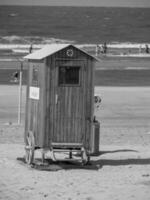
[69, 75]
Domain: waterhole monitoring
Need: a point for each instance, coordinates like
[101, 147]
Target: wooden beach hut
[60, 100]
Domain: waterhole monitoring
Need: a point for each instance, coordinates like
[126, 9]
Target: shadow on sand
[50, 165]
[115, 162]
[114, 151]
[95, 164]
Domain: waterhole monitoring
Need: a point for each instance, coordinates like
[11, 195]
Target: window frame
[70, 84]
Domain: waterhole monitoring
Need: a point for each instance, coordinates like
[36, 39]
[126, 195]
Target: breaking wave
[14, 39]
[24, 42]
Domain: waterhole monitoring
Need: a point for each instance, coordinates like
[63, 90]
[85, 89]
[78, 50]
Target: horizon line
[94, 6]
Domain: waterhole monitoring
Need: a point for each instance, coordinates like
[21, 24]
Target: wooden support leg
[43, 156]
[88, 158]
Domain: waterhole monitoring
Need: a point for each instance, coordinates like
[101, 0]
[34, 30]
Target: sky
[110, 3]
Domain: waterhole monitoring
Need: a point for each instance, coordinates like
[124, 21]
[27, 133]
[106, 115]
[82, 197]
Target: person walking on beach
[15, 77]
[30, 48]
[101, 49]
[140, 49]
[105, 48]
[97, 50]
[146, 48]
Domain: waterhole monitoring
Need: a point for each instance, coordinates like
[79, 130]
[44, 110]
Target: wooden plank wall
[35, 112]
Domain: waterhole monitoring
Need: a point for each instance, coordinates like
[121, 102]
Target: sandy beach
[121, 171]
[118, 35]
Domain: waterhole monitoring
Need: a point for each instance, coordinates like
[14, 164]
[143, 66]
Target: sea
[21, 26]
[80, 25]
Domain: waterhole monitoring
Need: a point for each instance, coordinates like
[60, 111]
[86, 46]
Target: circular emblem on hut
[69, 52]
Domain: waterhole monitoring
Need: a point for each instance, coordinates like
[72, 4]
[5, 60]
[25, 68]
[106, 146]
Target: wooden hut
[60, 100]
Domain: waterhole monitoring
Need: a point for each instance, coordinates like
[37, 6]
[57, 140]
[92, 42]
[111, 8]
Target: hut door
[69, 120]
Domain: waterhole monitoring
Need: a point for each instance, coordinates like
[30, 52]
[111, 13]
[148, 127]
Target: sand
[121, 171]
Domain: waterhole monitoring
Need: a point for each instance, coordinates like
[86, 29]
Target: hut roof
[51, 49]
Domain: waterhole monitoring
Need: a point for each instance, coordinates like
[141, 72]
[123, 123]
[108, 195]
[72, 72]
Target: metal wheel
[30, 147]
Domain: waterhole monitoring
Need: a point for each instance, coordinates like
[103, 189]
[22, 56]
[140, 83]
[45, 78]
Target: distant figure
[101, 49]
[140, 49]
[146, 48]
[15, 77]
[104, 48]
[97, 50]
[30, 49]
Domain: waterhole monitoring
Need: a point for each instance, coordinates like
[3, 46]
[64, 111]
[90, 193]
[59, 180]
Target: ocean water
[123, 28]
[86, 25]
